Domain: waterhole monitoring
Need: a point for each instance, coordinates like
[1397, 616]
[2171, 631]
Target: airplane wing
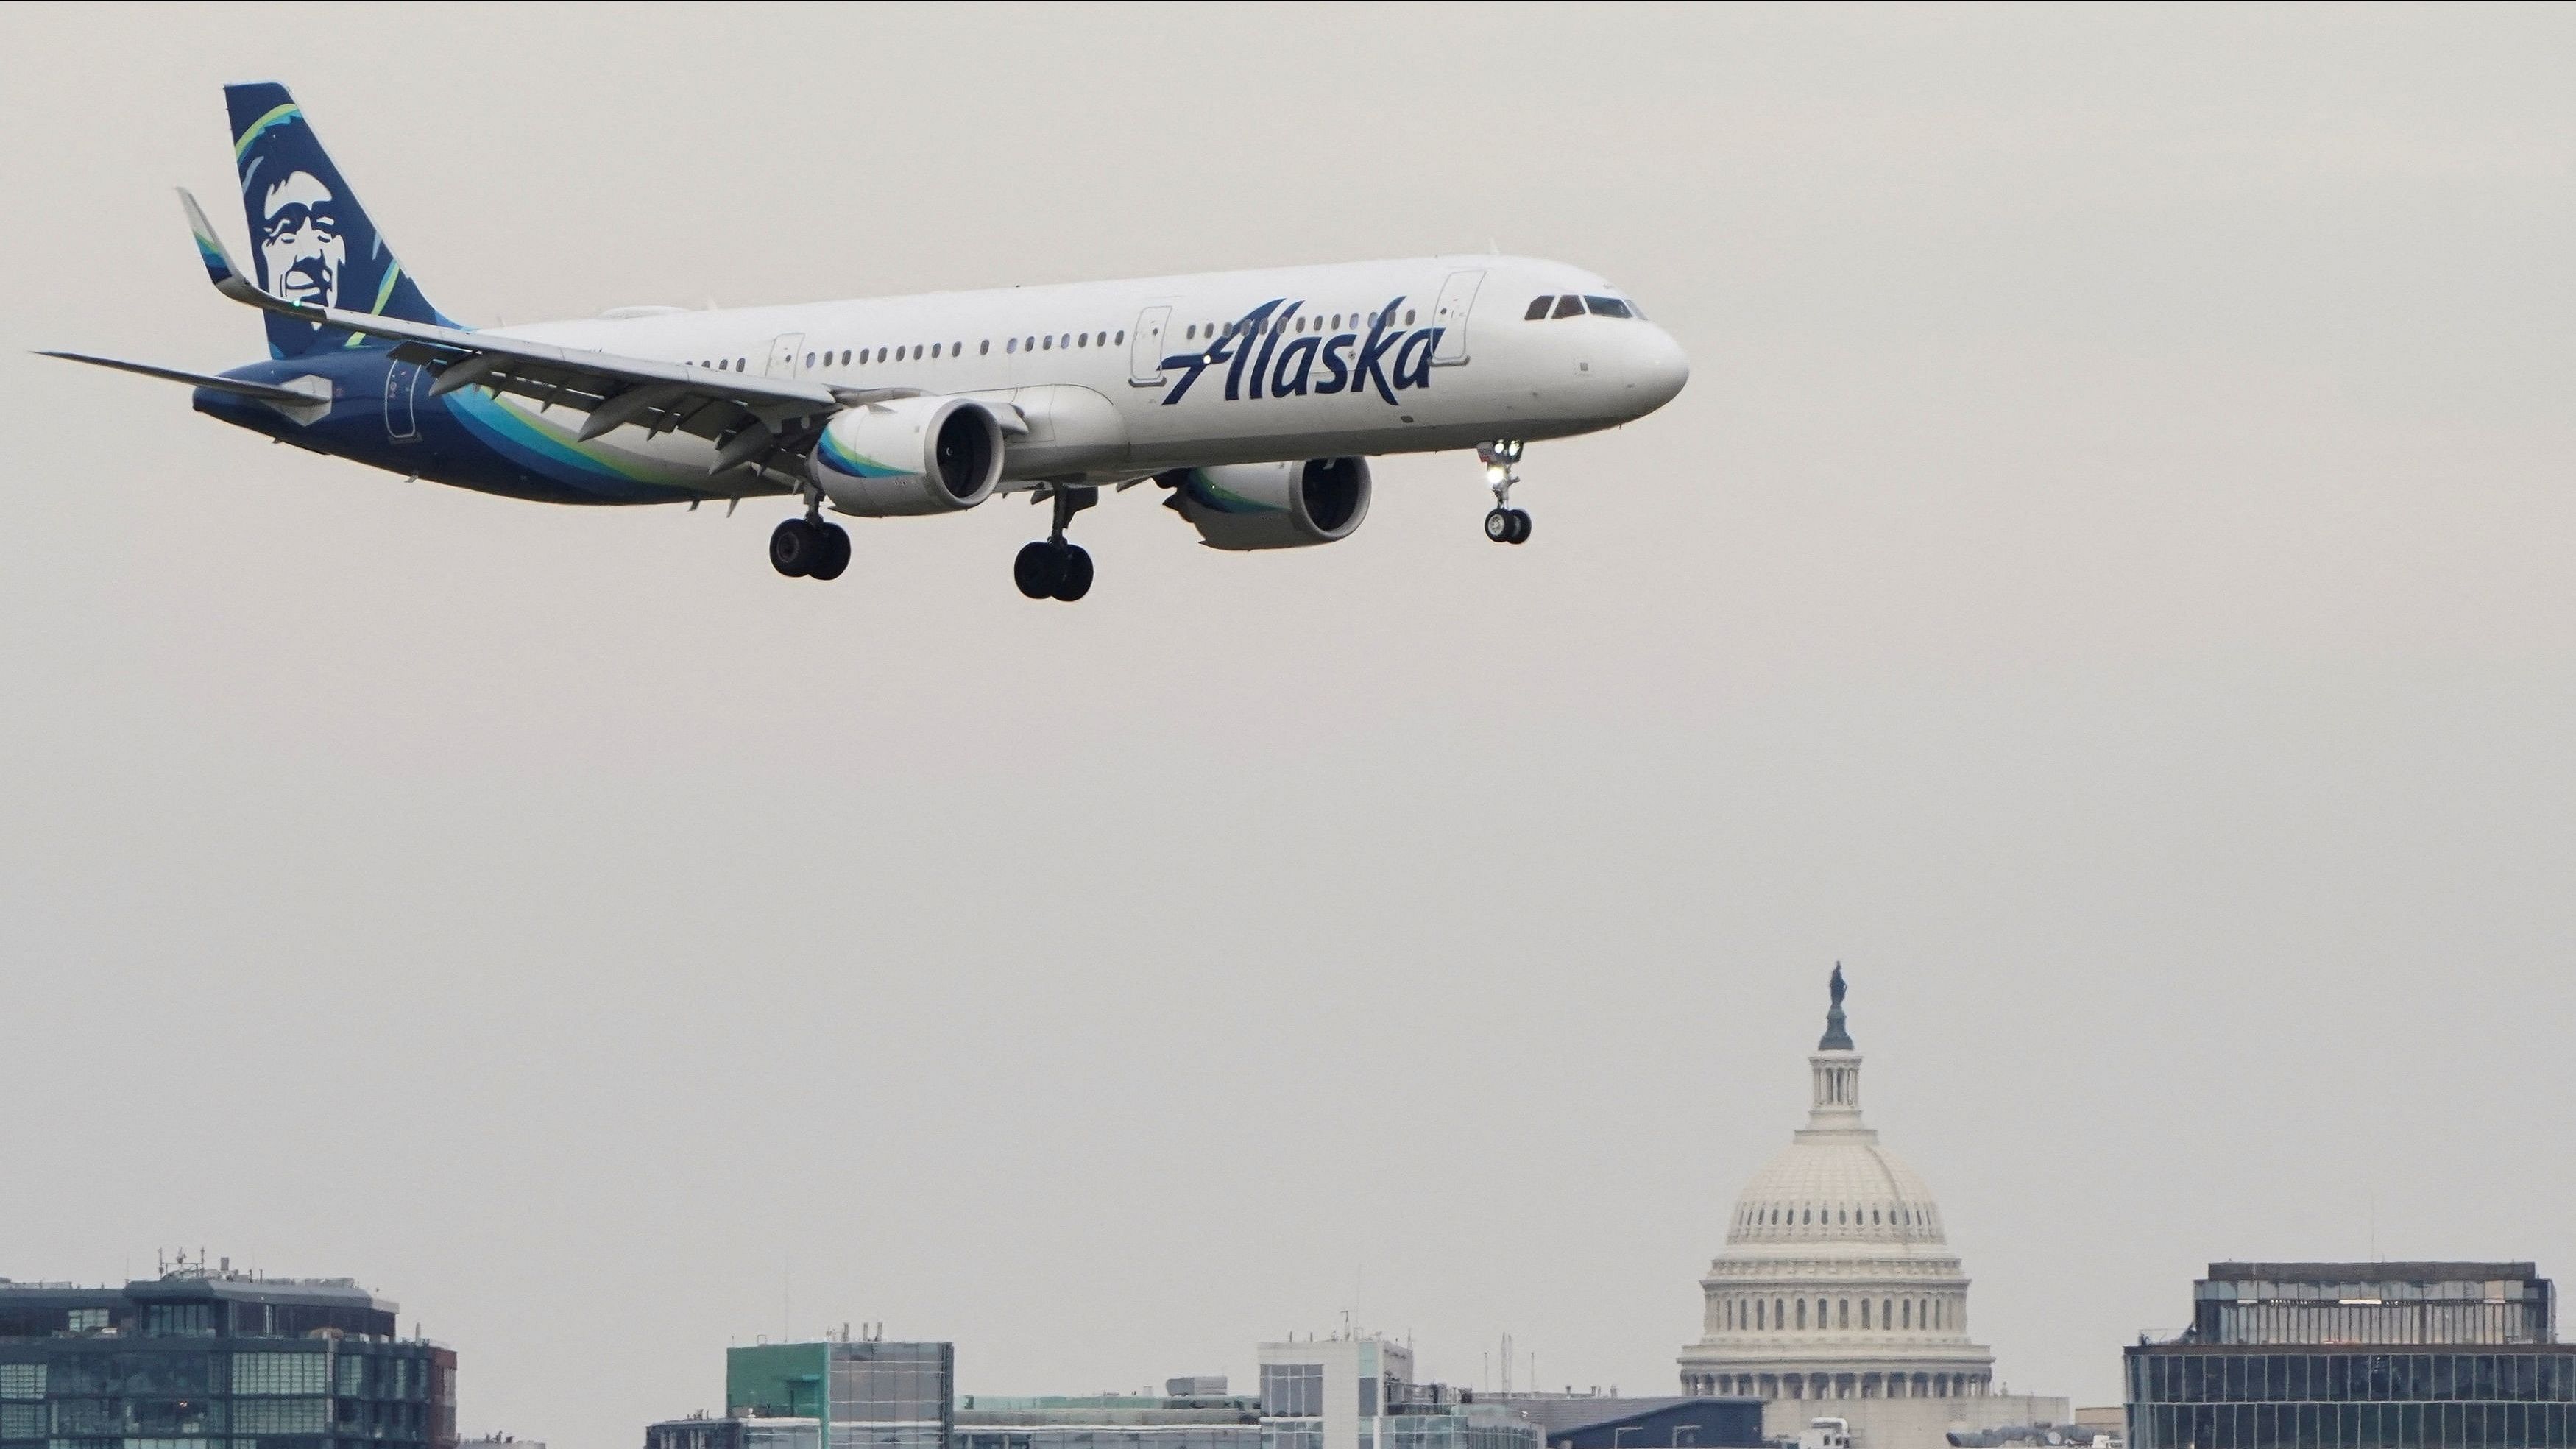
[748, 417]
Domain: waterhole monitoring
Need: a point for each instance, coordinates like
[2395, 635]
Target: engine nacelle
[1272, 505]
[910, 455]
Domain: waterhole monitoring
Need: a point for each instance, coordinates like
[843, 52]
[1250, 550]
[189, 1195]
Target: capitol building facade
[1837, 1283]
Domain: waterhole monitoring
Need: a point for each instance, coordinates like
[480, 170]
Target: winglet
[228, 279]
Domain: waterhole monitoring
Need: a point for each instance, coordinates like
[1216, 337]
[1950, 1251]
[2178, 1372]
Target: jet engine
[910, 455]
[1272, 505]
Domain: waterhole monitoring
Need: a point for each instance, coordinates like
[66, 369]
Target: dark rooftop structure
[1582, 1421]
[2358, 1356]
[200, 1359]
[2373, 1303]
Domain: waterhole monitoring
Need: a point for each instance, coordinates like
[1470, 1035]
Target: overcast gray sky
[2111, 582]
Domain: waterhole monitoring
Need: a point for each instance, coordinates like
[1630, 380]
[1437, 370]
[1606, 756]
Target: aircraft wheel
[835, 554]
[1077, 573]
[1498, 525]
[795, 546]
[1039, 569]
[1520, 526]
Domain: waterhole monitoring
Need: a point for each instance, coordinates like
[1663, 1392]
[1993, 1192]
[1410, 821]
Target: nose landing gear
[809, 548]
[1505, 524]
[1055, 567]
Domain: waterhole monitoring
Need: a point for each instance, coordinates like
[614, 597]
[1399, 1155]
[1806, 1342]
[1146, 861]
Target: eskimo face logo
[302, 252]
[1389, 360]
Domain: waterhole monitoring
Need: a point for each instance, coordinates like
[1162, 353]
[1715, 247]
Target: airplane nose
[1659, 372]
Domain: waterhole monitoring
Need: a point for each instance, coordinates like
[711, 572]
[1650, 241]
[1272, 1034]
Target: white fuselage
[1114, 380]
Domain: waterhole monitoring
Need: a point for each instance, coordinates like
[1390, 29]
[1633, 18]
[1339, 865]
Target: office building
[1357, 1392]
[733, 1431]
[1194, 1413]
[2346, 1355]
[1837, 1284]
[214, 1359]
[862, 1394]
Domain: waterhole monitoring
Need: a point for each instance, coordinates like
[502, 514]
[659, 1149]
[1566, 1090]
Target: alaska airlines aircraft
[1255, 398]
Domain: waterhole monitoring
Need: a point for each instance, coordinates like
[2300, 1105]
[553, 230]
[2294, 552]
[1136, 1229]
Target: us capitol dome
[1836, 1281]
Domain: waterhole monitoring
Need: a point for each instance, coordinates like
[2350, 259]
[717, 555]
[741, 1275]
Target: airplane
[1254, 398]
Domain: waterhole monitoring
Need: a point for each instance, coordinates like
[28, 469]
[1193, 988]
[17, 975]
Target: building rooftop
[2375, 1272]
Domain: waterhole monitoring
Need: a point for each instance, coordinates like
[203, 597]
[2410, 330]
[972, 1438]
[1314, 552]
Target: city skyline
[2106, 583]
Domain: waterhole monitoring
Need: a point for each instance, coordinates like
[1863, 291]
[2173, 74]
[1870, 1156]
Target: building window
[279, 1373]
[22, 1381]
[179, 1320]
[1292, 1390]
[282, 1416]
[1802, 1313]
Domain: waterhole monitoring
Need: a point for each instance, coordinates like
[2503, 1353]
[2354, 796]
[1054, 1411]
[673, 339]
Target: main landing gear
[1054, 567]
[1505, 524]
[809, 548]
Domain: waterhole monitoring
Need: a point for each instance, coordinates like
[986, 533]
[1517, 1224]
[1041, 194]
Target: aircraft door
[782, 354]
[1457, 298]
[1145, 352]
[402, 416]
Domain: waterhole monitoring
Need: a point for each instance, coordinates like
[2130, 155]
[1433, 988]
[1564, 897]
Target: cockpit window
[1538, 309]
[1607, 306]
[1569, 306]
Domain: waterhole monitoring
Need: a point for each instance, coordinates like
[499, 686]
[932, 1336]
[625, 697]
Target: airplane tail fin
[310, 239]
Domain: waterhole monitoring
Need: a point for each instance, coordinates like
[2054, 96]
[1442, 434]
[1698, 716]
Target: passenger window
[1606, 306]
[934, 349]
[721, 367]
[957, 349]
[984, 347]
[1083, 341]
[1011, 346]
[809, 359]
[1048, 343]
[1121, 339]
[1190, 333]
[1538, 309]
[1408, 316]
[1066, 340]
[1569, 306]
[740, 365]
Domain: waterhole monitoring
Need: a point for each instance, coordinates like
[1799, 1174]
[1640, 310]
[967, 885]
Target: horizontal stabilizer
[265, 392]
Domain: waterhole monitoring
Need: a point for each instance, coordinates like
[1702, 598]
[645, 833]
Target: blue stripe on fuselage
[467, 440]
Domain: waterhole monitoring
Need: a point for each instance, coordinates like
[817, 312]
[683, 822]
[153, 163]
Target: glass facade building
[202, 1360]
[863, 1395]
[2359, 1356]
